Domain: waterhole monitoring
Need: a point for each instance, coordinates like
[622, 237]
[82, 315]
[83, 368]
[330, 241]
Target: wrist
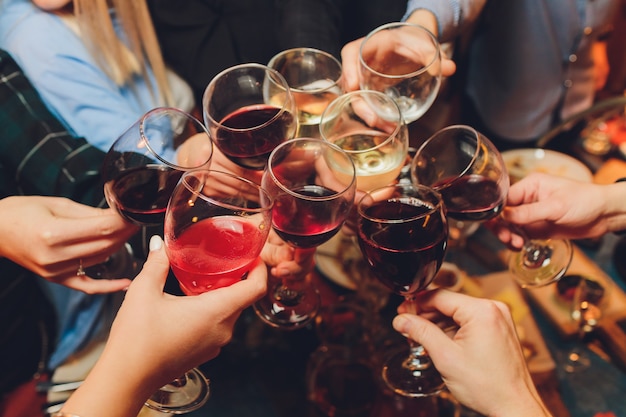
[425, 18]
[616, 206]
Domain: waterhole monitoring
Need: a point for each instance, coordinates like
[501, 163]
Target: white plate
[521, 162]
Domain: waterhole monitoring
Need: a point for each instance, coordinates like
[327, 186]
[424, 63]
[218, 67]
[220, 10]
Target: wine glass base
[288, 317]
[550, 271]
[183, 398]
[408, 382]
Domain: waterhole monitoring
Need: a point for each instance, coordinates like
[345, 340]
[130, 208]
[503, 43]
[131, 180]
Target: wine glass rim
[304, 50]
[253, 65]
[262, 208]
[464, 171]
[346, 97]
[146, 140]
[275, 180]
[431, 209]
[395, 25]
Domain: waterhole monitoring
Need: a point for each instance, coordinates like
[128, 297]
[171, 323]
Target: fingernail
[155, 243]
[400, 323]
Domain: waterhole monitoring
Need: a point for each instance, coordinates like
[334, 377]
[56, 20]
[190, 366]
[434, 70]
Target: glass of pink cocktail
[216, 225]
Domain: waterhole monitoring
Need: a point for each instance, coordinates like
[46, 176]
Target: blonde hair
[120, 62]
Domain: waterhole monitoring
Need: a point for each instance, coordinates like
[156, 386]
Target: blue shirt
[72, 85]
[529, 62]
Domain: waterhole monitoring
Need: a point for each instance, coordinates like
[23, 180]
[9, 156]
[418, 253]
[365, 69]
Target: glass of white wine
[369, 126]
[314, 77]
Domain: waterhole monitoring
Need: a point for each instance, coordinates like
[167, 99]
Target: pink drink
[214, 253]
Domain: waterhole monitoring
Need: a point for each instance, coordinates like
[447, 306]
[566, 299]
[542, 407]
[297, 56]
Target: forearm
[112, 389]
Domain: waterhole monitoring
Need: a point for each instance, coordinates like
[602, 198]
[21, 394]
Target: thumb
[157, 266]
[424, 332]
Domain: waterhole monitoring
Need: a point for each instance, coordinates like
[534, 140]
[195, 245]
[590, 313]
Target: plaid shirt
[37, 157]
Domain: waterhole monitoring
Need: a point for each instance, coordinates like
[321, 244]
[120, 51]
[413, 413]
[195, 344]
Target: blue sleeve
[452, 15]
[75, 89]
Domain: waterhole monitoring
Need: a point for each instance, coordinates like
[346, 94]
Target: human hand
[51, 236]
[285, 261]
[350, 59]
[156, 337]
[220, 162]
[482, 364]
[550, 206]
[196, 151]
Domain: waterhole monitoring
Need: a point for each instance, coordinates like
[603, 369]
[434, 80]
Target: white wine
[378, 162]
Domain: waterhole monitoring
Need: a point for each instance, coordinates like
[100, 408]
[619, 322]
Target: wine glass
[587, 306]
[314, 77]
[369, 126]
[469, 172]
[143, 165]
[216, 225]
[312, 183]
[402, 60]
[403, 232]
[249, 110]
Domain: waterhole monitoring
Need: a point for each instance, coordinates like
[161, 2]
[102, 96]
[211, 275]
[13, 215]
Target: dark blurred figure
[200, 38]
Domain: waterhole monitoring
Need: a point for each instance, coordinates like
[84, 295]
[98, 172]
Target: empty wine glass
[216, 225]
[587, 307]
[142, 167]
[311, 203]
[469, 172]
[249, 110]
[403, 232]
[314, 77]
[402, 60]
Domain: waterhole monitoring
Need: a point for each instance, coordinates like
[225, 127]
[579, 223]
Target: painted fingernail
[155, 243]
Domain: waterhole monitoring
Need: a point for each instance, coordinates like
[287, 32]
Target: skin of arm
[551, 206]
[148, 347]
[51, 235]
[482, 364]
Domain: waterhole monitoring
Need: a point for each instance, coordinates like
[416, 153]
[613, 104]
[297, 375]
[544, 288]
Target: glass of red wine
[249, 110]
[306, 179]
[216, 225]
[403, 233]
[469, 172]
[142, 167]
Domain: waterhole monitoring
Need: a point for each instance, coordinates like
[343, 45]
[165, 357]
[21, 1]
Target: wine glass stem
[290, 291]
[535, 255]
[418, 359]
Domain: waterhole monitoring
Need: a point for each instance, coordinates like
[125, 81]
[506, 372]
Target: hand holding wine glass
[469, 172]
[314, 77]
[216, 225]
[402, 60]
[143, 166]
[369, 126]
[402, 232]
[311, 203]
[249, 110]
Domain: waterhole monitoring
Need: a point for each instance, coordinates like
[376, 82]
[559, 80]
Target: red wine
[306, 223]
[251, 148]
[471, 197]
[404, 256]
[141, 194]
[213, 253]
